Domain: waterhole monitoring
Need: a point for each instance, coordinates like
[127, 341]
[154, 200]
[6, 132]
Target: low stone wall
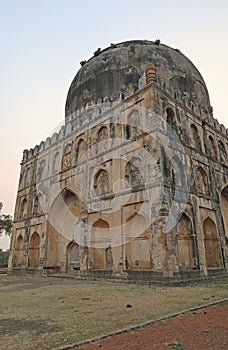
[130, 276]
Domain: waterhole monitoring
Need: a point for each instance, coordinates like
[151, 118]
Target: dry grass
[42, 313]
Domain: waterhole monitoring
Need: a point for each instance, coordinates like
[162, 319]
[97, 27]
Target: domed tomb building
[134, 185]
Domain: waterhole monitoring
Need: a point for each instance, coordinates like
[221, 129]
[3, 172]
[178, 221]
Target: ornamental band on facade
[134, 185]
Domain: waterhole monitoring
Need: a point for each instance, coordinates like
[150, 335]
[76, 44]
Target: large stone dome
[122, 65]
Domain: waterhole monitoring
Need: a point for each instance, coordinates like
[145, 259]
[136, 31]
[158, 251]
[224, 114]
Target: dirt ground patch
[12, 326]
[44, 313]
[206, 329]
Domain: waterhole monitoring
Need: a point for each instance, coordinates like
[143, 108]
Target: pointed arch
[27, 177]
[67, 148]
[101, 234]
[19, 242]
[211, 147]
[101, 245]
[56, 167]
[128, 132]
[133, 118]
[63, 215]
[224, 208]
[171, 119]
[101, 182]
[196, 141]
[100, 223]
[34, 251]
[72, 257]
[138, 219]
[222, 152]
[41, 170]
[108, 258]
[18, 255]
[136, 225]
[102, 134]
[224, 212]
[137, 243]
[179, 172]
[72, 202]
[67, 199]
[22, 178]
[133, 123]
[133, 173]
[186, 243]
[211, 243]
[36, 210]
[202, 181]
[80, 151]
[23, 208]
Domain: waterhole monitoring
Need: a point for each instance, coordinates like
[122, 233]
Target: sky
[44, 41]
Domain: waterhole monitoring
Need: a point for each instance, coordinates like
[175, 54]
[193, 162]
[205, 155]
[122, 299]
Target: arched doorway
[34, 251]
[18, 251]
[72, 257]
[101, 246]
[212, 244]
[185, 243]
[137, 248]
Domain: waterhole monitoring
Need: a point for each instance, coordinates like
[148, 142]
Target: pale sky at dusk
[43, 42]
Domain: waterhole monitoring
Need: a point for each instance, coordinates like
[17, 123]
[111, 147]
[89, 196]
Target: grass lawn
[43, 313]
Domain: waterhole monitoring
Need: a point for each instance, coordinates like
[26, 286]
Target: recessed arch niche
[63, 216]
